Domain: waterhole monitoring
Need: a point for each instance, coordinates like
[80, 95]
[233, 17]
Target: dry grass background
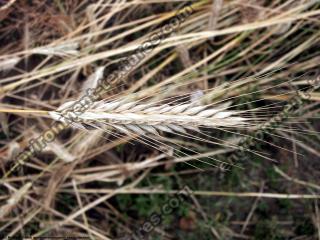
[244, 57]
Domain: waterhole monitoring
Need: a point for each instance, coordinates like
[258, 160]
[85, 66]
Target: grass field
[158, 119]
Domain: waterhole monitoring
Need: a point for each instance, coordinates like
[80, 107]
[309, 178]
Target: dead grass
[99, 183]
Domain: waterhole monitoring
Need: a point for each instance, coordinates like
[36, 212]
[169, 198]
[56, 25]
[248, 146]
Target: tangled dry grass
[171, 121]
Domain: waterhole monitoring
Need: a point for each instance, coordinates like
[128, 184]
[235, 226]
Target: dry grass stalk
[205, 193]
[7, 5]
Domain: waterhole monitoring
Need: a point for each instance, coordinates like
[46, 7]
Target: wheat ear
[134, 117]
